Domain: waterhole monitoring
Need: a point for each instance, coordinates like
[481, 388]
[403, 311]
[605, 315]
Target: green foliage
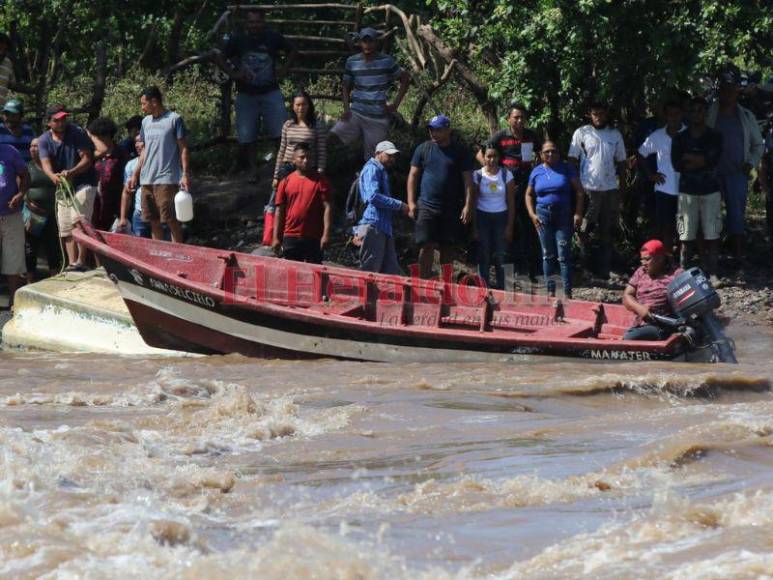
[193, 97]
[557, 55]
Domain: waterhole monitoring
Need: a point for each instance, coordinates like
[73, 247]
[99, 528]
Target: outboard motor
[694, 299]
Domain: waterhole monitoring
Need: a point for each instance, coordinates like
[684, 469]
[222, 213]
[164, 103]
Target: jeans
[266, 107]
[48, 239]
[139, 227]
[555, 236]
[646, 332]
[302, 249]
[377, 253]
[525, 246]
[491, 241]
[735, 190]
[602, 218]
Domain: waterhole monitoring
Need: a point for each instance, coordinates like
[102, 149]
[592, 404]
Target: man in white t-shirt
[666, 178]
[599, 151]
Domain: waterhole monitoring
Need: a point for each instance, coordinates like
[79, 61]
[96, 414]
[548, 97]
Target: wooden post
[387, 45]
[100, 78]
[357, 18]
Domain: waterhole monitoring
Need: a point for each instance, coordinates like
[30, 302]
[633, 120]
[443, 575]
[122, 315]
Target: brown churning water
[238, 468]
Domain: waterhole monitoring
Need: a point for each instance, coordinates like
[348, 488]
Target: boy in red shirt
[304, 212]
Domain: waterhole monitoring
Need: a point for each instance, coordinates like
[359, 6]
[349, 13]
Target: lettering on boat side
[617, 354]
[184, 293]
[417, 319]
[526, 350]
[244, 284]
[170, 256]
[137, 277]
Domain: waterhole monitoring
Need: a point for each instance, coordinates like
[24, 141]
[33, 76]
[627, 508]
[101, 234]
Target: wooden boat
[206, 300]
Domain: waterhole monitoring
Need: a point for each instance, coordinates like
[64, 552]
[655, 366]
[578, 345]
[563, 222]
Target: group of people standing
[49, 181]
[704, 156]
[523, 196]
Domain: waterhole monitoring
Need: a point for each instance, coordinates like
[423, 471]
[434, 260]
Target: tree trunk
[175, 34]
[477, 87]
[148, 59]
[100, 79]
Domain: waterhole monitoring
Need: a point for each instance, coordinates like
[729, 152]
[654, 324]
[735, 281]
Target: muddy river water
[226, 467]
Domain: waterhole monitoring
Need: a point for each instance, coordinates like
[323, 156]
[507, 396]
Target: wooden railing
[327, 36]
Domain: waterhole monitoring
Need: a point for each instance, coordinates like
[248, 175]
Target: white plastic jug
[183, 206]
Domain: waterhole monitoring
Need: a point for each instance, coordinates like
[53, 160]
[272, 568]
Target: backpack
[355, 206]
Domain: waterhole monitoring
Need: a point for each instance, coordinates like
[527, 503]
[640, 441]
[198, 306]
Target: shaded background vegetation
[554, 55]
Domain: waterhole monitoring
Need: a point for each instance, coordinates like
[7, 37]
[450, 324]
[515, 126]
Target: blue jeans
[139, 227]
[646, 332]
[555, 237]
[735, 190]
[252, 109]
[491, 241]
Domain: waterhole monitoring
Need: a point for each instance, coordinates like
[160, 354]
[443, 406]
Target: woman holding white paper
[518, 146]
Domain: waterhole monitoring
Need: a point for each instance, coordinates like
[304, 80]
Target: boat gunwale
[87, 235]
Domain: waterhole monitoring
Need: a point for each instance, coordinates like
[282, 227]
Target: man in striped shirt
[366, 83]
[13, 131]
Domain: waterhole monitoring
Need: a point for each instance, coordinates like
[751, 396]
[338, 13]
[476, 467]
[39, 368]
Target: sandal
[75, 268]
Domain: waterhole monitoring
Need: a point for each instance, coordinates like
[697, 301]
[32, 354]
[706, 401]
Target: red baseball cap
[57, 112]
[654, 248]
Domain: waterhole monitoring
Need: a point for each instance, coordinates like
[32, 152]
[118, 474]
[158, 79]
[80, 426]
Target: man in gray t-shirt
[163, 165]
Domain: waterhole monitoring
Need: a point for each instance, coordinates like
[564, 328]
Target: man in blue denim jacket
[377, 252]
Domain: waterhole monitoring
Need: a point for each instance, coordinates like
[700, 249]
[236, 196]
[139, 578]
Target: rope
[65, 196]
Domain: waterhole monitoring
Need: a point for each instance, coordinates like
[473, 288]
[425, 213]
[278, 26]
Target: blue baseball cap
[369, 33]
[439, 122]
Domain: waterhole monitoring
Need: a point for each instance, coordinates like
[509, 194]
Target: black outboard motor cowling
[694, 299]
[691, 295]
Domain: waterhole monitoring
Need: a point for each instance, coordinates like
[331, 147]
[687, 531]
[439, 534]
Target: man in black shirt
[695, 153]
[518, 148]
[441, 172]
[259, 99]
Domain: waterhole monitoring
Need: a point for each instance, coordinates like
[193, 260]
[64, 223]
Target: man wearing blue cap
[367, 79]
[441, 173]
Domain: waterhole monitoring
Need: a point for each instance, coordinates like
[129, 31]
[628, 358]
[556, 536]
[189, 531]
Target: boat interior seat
[534, 322]
[215, 275]
[351, 309]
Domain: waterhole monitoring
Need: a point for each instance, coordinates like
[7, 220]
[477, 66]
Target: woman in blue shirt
[549, 203]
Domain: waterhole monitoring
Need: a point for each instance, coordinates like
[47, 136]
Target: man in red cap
[66, 152]
[647, 294]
